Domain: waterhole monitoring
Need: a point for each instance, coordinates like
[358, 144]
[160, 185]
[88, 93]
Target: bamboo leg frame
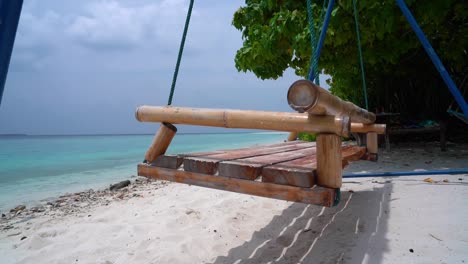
[329, 162]
[161, 141]
[292, 136]
[372, 145]
[363, 128]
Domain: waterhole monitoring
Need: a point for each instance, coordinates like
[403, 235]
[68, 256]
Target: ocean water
[34, 168]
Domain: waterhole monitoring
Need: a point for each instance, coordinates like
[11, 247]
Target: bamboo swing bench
[294, 170]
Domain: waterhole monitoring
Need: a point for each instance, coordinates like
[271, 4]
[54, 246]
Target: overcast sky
[82, 67]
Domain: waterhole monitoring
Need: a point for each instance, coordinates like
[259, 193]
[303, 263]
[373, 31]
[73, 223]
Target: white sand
[378, 222]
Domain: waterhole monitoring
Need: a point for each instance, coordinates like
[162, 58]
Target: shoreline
[68, 166]
[41, 198]
[77, 202]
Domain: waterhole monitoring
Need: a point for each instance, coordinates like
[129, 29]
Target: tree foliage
[400, 76]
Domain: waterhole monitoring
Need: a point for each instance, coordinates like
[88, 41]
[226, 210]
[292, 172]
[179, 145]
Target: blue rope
[323, 32]
[361, 60]
[181, 50]
[313, 71]
[337, 199]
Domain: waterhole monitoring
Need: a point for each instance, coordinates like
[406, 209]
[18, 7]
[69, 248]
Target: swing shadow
[351, 232]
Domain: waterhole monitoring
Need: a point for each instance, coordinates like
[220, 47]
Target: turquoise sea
[34, 168]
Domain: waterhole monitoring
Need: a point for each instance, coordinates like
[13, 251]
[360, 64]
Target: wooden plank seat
[284, 171]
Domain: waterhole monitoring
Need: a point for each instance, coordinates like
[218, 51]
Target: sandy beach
[379, 220]
[272, 98]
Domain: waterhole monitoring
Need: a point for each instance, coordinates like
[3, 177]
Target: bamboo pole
[161, 141]
[292, 136]
[304, 96]
[372, 146]
[372, 143]
[290, 122]
[329, 163]
[363, 128]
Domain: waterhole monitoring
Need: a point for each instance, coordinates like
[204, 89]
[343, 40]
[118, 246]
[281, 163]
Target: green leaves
[276, 37]
[307, 137]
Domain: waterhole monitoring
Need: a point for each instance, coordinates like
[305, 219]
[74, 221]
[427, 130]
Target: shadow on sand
[352, 232]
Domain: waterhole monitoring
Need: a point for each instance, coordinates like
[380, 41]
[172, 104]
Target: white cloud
[148, 32]
[48, 37]
[36, 39]
[74, 45]
[37, 31]
[110, 24]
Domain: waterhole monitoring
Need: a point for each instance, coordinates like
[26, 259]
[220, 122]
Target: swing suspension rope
[313, 70]
[325, 17]
[181, 51]
[361, 60]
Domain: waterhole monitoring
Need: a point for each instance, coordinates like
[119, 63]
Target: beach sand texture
[379, 220]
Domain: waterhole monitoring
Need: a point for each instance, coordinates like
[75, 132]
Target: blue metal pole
[435, 59]
[322, 36]
[10, 11]
[323, 33]
[405, 173]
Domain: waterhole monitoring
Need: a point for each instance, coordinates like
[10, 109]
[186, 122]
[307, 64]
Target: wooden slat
[349, 153]
[317, 195]
[209, 164]
[216, 152]
[197, 154]
[310, 162]
[250, 168]
[297, 172]
[259, 150]
[301, 172]
[294, 171]
[168, 161]
[200, 154]
[175, 161]
[353, 153]
[288, 175]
